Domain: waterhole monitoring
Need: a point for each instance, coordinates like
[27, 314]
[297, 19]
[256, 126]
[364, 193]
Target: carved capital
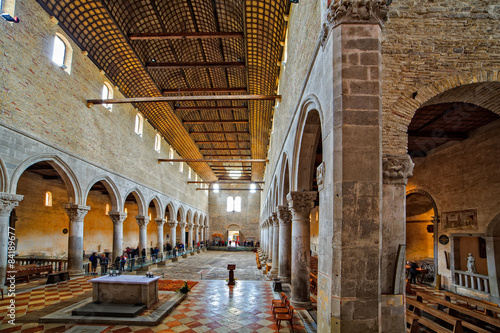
[142, 221]
[397, 169]
[117, 217]
[172, 224]
[276, 221]
[8, 202]
[182, 224]
[285, 215]
[320, 175]
[301, 202]
[76, 213]
[190, 225]
[160, 222]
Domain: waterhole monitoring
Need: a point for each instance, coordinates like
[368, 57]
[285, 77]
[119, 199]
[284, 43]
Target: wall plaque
[461, 219]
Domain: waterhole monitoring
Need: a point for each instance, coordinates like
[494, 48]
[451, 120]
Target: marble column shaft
[190, 235]
[285, 244]
[301, 203]
[276, 235]
[173, 236]
[7, 203]
[76, 214]
[197, 235]
[182, 226]
[117, 218]
[143, 221]
[160, 223]
[270, 240]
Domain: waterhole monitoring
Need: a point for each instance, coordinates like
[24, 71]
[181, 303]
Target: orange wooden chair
[281, 310]
[279, 301]
[285, 316]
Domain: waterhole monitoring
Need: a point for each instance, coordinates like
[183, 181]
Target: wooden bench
[489, 309]
[454, 309]
[24, 272]
[57, 277]
[415, 318]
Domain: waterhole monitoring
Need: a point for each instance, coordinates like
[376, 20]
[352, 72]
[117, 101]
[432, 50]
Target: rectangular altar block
[129, 289]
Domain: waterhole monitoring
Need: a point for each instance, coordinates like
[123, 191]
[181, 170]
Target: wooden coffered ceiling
[156, 48]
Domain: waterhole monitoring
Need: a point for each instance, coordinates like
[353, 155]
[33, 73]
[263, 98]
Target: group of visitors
[103, 261]
[233, 243]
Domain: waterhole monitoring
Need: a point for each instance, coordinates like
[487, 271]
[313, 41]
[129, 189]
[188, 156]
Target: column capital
[205, 227]
[172, 224]
[190, 225]
[301, 202]
[76, 213]
[182, 224]
[117, 217]
[397, 169]
[142, 221]
[275, 220]
[160, 222]
[8, 202]
[284, 214]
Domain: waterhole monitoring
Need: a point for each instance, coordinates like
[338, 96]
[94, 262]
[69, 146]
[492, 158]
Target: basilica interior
[339, 157]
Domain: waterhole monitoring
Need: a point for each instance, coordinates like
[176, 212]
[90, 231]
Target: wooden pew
[24, 272]
[490, 309]
[454, 309]
[417, 319]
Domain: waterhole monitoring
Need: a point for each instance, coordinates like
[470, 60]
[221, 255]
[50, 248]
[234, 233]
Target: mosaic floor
[211, 306]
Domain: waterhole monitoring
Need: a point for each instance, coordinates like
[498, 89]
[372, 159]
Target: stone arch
[172, 211]
[3, 177]
[233, 227]
[276, 193]
[462, 87]
[205, 223]
[493, 228]
[139, 198]
[284, 180]
[309, 126]
[189, 216]
[68, 176]
[195, 218]
[180, 215]
[112, 189]
[159, 209]
[427, 195]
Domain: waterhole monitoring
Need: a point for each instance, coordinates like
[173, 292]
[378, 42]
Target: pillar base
[284, 279]
[274, 273]
[175, 259]
[191, 253]
[76, 272]
[305, 305]
[184, 255]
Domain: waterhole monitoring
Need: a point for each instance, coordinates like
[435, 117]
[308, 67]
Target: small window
[237, 204]
[253, 188]
[216, 188]
[157, 142]
[181, 167]
[107, 93]
[230, 204]
[149, 216]
[48, 199]
[126, 211]
[195, 177]
[62, 53]
[139, 121]
[189, 172]
[107, 209]
[171, 154]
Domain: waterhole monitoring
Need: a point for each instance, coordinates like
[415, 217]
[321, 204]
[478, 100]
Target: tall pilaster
[143, 221]
[182, 226]
[300, 204]
[159, 224]
[173, 231]
[270, 240]
[7, 203]
[117, 218]
[285, 244]
[190, 234]
[276, 237]
[396, 171]
[76, 214]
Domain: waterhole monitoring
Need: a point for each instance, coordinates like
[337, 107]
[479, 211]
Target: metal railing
[472, 281]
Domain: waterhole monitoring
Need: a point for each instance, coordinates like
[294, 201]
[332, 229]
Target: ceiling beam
[225, 107]
[212, 160]
[210, 149]
[219, 132]
[189, 122]
[185, 35]
[229, 189]
[91, 102]
[237, 155]
[225, 182]
[201, 64]
[439, 135]
[227, 141]
[203, 90]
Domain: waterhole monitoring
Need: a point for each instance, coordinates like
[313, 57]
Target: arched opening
[130, 226]
[180, 218]
[233, 235]
[152, 228]
[169, 216]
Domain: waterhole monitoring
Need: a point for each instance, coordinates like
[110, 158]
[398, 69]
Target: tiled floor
[212, 306]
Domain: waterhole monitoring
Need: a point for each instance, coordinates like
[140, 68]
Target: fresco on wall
[461, 219]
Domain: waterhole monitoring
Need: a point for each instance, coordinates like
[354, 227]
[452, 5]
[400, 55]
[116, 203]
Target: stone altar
[129, 289]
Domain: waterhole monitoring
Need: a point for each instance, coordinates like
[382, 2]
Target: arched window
[189, 173]
[230, 204]
[62, 53]
[216, 188]
[139, 121]
[237, 204]
[181, 167]
[157, 142]
[107, 209]
[253, 188]
[48, 199]
[126, 211]
[107, 93]
[171, 154]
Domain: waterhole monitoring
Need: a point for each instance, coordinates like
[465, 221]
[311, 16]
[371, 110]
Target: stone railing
[472, 281]
[58, 265]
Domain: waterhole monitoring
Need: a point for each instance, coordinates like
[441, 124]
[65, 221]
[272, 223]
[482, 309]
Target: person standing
[104, 264]
[413, 272]
[93, 262]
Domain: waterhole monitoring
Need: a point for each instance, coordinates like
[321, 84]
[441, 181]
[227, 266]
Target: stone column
[285, 246]
[300, 204]
[76, 214]
[492, 259]
[159, 223]
[173, 236]
[7, 203]
[190, 235]
[143, 221]
[197, 236]
[182, 225]
[117, 218]
[396, 171]
[276, 237]
[270, 240]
